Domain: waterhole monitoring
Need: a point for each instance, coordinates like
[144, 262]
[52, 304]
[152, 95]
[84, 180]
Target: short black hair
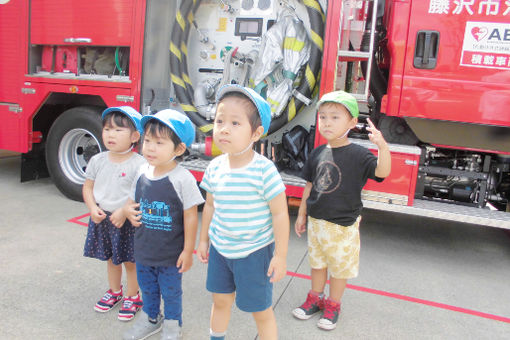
[120, 119]
[156, 128]
[253, 114]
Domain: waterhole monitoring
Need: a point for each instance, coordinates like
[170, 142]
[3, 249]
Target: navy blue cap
[178, 122]
[131, 113]
[263, 107]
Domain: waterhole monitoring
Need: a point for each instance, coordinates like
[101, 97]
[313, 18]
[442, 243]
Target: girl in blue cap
[245, 216]
[163, 206]
[108, 180]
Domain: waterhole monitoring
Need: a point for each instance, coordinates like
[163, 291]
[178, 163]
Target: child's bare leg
[266, 324]
[132, 282]
[220, 312]
[114, 275]
[336, 288]
[319, 278]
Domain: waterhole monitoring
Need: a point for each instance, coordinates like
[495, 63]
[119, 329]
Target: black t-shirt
[338, 176]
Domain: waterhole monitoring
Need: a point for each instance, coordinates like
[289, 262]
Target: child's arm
[207, 214]
[185, 260]
[96, 213]
[132, 213]
[300, 225]
[281, 225]
[383, 168]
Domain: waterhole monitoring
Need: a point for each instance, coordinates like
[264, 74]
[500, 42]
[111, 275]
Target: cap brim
[237, 88]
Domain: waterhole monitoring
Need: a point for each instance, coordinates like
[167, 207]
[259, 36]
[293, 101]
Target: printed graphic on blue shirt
[156, 215]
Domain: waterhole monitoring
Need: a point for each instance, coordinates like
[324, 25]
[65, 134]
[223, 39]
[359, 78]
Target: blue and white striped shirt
[242, 221]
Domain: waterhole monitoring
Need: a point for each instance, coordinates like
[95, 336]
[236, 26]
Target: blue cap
[261, 104]
[131, 113]
[178, 122]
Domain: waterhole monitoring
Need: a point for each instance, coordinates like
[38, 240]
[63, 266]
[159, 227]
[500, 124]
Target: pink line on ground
[77, 220]
[416, 300]
[375, 291]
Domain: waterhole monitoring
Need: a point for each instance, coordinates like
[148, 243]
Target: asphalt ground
[419, 278]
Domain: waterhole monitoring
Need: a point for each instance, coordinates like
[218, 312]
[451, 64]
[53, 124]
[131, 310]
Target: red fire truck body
[434, 75]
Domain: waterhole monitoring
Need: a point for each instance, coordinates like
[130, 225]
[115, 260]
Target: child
[335, 174]
[108, 180]
[245, 215]
[167, 196]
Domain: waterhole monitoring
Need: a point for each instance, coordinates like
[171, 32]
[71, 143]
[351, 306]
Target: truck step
[448, 212]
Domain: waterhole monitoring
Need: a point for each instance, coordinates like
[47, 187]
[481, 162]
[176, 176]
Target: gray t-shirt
[112, 181]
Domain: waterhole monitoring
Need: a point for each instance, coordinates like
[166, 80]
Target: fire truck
[434, 75]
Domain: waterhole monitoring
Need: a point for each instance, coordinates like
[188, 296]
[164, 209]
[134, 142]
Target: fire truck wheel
[396, 130]
[73, 139]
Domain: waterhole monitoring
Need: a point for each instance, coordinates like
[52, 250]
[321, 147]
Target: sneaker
[171, 330]
[143, 328]
[313, 304]
[130, 306]
[108, 301]
[329, 316]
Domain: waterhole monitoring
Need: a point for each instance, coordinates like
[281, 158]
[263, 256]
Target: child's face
[117, 138]
[232, 130]
[160, 150]
[334, 121]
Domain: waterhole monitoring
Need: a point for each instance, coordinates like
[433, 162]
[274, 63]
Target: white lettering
[501, 61]
[507, 3]
[439, 6]
[488, 60]
[494, 4]
[476, 59]
[463, 4]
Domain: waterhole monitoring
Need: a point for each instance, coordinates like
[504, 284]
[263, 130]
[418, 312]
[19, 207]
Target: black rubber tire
[73, 139]
[396, 130]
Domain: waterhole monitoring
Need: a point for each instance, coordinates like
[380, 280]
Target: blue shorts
[105, 241]
[246, 276]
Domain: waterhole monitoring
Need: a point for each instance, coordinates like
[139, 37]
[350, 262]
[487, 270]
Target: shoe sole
[326, 327]
[98, 309]
[152, 333]
[302, 316]
[128, 317]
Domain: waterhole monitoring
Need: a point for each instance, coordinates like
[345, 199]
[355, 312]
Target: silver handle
[78, 40]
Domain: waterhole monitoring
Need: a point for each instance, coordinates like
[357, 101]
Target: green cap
[341, 97]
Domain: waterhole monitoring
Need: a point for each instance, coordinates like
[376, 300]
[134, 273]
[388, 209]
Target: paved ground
[419, 278]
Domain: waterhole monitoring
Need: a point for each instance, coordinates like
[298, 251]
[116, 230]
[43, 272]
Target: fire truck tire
[396, 130]
[73, 139]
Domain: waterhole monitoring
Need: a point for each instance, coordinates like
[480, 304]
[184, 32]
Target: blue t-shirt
[160, 239]
[242, 221]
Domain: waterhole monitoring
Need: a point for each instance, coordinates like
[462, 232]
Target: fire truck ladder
[352, 51]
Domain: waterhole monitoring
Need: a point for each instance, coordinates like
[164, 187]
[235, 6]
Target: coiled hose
[184, 88]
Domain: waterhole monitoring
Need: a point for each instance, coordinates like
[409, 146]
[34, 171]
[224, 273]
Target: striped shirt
[242, 221]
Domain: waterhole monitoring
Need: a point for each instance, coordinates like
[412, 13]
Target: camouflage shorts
[334, 247]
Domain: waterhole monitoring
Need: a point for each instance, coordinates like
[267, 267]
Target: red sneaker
[108, 301]
[313, 304]
[130, 306]
[329, 316]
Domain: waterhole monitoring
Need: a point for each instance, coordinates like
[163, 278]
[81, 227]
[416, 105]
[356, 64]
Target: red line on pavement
[375, 291]
[77, 220]
[416, 300]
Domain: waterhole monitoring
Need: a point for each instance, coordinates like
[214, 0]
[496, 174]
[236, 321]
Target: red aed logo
[479, 32]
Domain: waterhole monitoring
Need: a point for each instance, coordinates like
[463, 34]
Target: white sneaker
[171, 330]
[143, 328]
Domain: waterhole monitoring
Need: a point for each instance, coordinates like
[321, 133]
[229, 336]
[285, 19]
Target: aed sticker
[486, 45]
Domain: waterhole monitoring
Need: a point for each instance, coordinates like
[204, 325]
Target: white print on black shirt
[328, 177]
